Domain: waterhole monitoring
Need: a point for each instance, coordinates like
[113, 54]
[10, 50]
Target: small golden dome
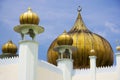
[92, 52]
[9, 47]
[29, 17]
[118, 48]
[64, 39]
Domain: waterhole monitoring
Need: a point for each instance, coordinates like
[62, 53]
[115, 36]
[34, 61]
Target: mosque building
[78, 54]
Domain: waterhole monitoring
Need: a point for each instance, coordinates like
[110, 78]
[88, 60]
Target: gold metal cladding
[29, 17]
[84, 40]
[9, 47]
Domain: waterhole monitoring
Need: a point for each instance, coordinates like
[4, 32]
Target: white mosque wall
[102, 73]
[9, 68]
[106, 73]
[81, 74]
[9, 72]
[47, 71]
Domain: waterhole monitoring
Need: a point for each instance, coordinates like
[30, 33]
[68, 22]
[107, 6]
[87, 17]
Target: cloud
[112, 27]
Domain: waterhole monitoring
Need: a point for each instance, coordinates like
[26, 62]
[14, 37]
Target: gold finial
[65, 31]
[10, 41]
[79, 9]
[118, 45]
[92, 52]
[29, 9]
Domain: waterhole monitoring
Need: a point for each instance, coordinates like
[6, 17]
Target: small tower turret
[65, 49]
[92, 57]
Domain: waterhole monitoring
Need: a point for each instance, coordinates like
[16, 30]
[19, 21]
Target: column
[93, 67]
[28, 56]
[66, 65]
[118, 65]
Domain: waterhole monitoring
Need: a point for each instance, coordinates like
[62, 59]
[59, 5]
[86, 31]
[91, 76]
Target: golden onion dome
[29, 17]
[85, 40]
[64, 39]
[9, 47]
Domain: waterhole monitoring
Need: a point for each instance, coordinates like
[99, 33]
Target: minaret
[64, 48]
[118, 61]
[28, 49]
[92, 64]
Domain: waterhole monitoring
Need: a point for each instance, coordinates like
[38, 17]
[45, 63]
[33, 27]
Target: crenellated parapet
[106, 69]
[11, 60]
[98, 70]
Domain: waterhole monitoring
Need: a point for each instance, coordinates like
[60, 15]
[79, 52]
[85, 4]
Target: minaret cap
[29, 25]
[9, 47]
[64, 39]
[92, 52]
[118, 48]
[29, 17]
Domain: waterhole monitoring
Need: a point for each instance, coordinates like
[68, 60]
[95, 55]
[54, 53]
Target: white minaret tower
[65, 62]
[118, 61]
[28, 49]
[93, 64]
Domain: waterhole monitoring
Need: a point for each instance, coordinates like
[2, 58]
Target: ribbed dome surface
[9, 47]
[29, 17]
[64, 39]
[85, 40]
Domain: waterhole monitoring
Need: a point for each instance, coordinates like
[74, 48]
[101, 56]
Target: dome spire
[65, 31]
[79, 23]
[29, 9]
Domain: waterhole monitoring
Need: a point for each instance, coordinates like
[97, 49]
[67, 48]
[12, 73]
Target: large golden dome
[85, 40]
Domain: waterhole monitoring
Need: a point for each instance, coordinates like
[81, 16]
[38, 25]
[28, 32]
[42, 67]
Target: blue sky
[100, 16]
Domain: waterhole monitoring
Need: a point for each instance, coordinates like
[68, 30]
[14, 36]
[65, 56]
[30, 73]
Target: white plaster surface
[9, 70]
